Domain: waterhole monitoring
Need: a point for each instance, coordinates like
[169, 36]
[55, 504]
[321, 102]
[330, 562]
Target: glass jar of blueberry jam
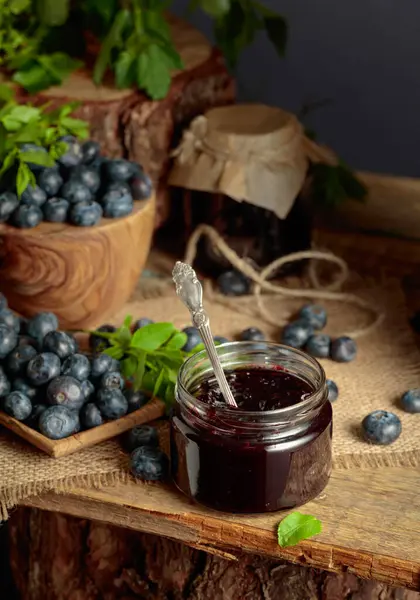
[273, 451]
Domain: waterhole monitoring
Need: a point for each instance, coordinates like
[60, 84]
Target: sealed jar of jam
[270, 453]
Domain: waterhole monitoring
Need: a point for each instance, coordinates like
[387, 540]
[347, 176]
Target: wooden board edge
[153, 410]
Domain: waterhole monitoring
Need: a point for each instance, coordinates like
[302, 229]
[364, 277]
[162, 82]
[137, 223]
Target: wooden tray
[154, 409]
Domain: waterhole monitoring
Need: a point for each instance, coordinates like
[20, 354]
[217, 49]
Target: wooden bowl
[83, 275]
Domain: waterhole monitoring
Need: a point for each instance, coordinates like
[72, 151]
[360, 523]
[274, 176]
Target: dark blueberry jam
[248, 460]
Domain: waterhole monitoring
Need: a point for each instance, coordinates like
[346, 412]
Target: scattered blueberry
[97, 343]
[18, 359]
[58, 342]
[33, 419]
[315, 314]
[26, 216]
[297, 333]
[8, 340]
[88, 389]
[117, 203]
[410, 401]
[43, 368]
[148, 463]
[88, 176]
[85, 214]
[17, 405]
[50, 181]
[41, 324]
[381, 427]
[33, 196]
[112, 380]
[119, 170]
[193, 338]
[77, 366]
[58, 422]
[90, 416]
[90, 151]
[332, 390]
[219, 339]
[9, 318]
[112, 403]
[65, 391]
[143, 435]
[343, 349]
[142, 323]
[21, 385]
[135, 400]
[75, 191]
[73, 155]
[141, 187]
[252, 334]
[8, 204]
[319, 345]
[4, 383]
[233, 283]
[55, 210]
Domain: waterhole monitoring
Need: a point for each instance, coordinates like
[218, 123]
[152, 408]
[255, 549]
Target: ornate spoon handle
[189, 290]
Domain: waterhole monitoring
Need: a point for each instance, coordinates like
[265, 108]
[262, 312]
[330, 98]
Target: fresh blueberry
[135, 400]
[33, 196]
[88, 389]
[58, 342]
[100, 365]
[117, 204]
[4, 383]
[97, 343]
[88, 176]
[33, 419]
[8, 204]
[343, 349]
[315, 314]
[43, 368]
[381, 427]
[65, 391]
[319, 345]
[119, 170]
[112, 380]
[58, 422]
[77, 366]
[9, 318]
[17, 405]
[252, 334]
[219, 339]
[233, 283]
[85, 214]
[90, 416]
[410, 401]
[75, 191]
[21, 385]
[3, 302]
[73, 155]
[141, 187]
[50, 181]
[112, 403]
[23, 327]
[41, 324]
[55, 210]
[142, 323]
[30, 147]
[26, 216]
[90, 151]
[8, 340]
[18, 359]
[332, 390]
[297, 333]
[193, 338]
[148, 463]
[143, 435]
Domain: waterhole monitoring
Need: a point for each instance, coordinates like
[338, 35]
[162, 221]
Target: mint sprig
[297, 527]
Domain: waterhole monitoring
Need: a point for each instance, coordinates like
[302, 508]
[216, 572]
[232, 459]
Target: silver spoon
[189, 290]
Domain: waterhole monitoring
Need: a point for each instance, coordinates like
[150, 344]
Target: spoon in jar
[189, 290]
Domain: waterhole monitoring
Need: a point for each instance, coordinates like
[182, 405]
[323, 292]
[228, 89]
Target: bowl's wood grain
[83, 275]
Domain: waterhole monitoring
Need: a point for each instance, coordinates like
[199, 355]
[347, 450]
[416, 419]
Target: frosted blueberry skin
[143, 435]
[58, 342]
[410, 401]
[135, 400]
[17, 405]
[112, 403]
[297, 333]
[58, 422]
[76, 365]
[193, 338]
[41, 324]
[319, 345]
[43, 368]
[233, 283]
[343, 349]
[332, 390]
[65, 391]
[149, 464]
[90, 416]
[8, 340]
[315, 314]
[381, 427]
[252, 334]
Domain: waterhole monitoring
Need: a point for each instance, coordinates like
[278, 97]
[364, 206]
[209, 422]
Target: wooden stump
[55, 557]
[128, 123]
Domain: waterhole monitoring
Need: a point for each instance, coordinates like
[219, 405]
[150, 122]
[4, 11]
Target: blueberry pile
[82, 187]
[147, 461]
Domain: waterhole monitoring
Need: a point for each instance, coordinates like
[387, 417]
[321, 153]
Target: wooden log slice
[84, 275]
[128, 123]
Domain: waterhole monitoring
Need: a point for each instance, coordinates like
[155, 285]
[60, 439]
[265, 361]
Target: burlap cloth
[388, 363]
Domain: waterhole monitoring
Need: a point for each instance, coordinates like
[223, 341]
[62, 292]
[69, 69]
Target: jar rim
[306, 403]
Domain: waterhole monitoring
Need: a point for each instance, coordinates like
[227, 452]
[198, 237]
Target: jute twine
[318, 291]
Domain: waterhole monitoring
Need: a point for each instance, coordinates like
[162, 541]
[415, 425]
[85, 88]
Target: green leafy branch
[331, 185]
[297, 527]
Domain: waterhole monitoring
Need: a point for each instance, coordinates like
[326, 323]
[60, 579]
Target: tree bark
[56, 557]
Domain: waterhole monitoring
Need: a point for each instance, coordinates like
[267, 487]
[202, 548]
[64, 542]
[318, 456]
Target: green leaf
[3, 140]
[352, 186]
[151, 337]
[9, 161]
[215, 8]
[297, 527]
[158, 384]
[127, 321]
[6, 93]
[277, 31]
[77, 127]
[34, 78]
[112, 40]
[38, 158]
[129, 366]
[23, 178]
[18, 6]
[114, 352]
[140, 372]
[52, 13]
[169, 396]
[59, 65]
[125, 70]
[236, 30]
[177, 341]
[153, 74]
[24, 113]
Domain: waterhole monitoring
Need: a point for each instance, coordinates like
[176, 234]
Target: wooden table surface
[371, 518]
